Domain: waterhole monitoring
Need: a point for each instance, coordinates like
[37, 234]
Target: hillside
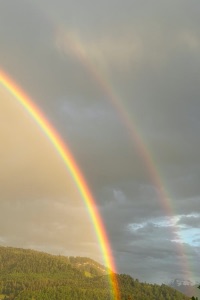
[28, 274]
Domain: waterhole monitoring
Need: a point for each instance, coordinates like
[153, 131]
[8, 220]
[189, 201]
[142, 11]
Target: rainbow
[72, 167]
[71, 42]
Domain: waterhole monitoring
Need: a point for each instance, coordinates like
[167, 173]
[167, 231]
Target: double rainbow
[71, 43]
[72, 167]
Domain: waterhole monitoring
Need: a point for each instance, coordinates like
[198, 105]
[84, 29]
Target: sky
[119, 81]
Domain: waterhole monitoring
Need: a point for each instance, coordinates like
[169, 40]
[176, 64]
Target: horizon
[179, 281]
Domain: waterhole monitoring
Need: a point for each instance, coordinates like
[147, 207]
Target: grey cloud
[148, 54]
[149, 256]
[190, 221]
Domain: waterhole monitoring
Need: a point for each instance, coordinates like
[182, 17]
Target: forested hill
[30, 261]
[28, 274]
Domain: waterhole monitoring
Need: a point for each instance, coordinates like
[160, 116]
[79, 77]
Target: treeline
[32, 275]
[133, 289]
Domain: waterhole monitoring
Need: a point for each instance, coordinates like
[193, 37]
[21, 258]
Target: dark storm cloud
[149, 53]
[150, 249]
[190, 221]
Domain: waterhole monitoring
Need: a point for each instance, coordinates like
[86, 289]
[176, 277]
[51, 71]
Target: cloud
[102, 53]
[148, 54]
[190, 220]
[152, 248]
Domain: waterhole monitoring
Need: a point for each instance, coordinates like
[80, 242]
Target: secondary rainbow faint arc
[72, 43]
[71, 165]
[77, 49]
